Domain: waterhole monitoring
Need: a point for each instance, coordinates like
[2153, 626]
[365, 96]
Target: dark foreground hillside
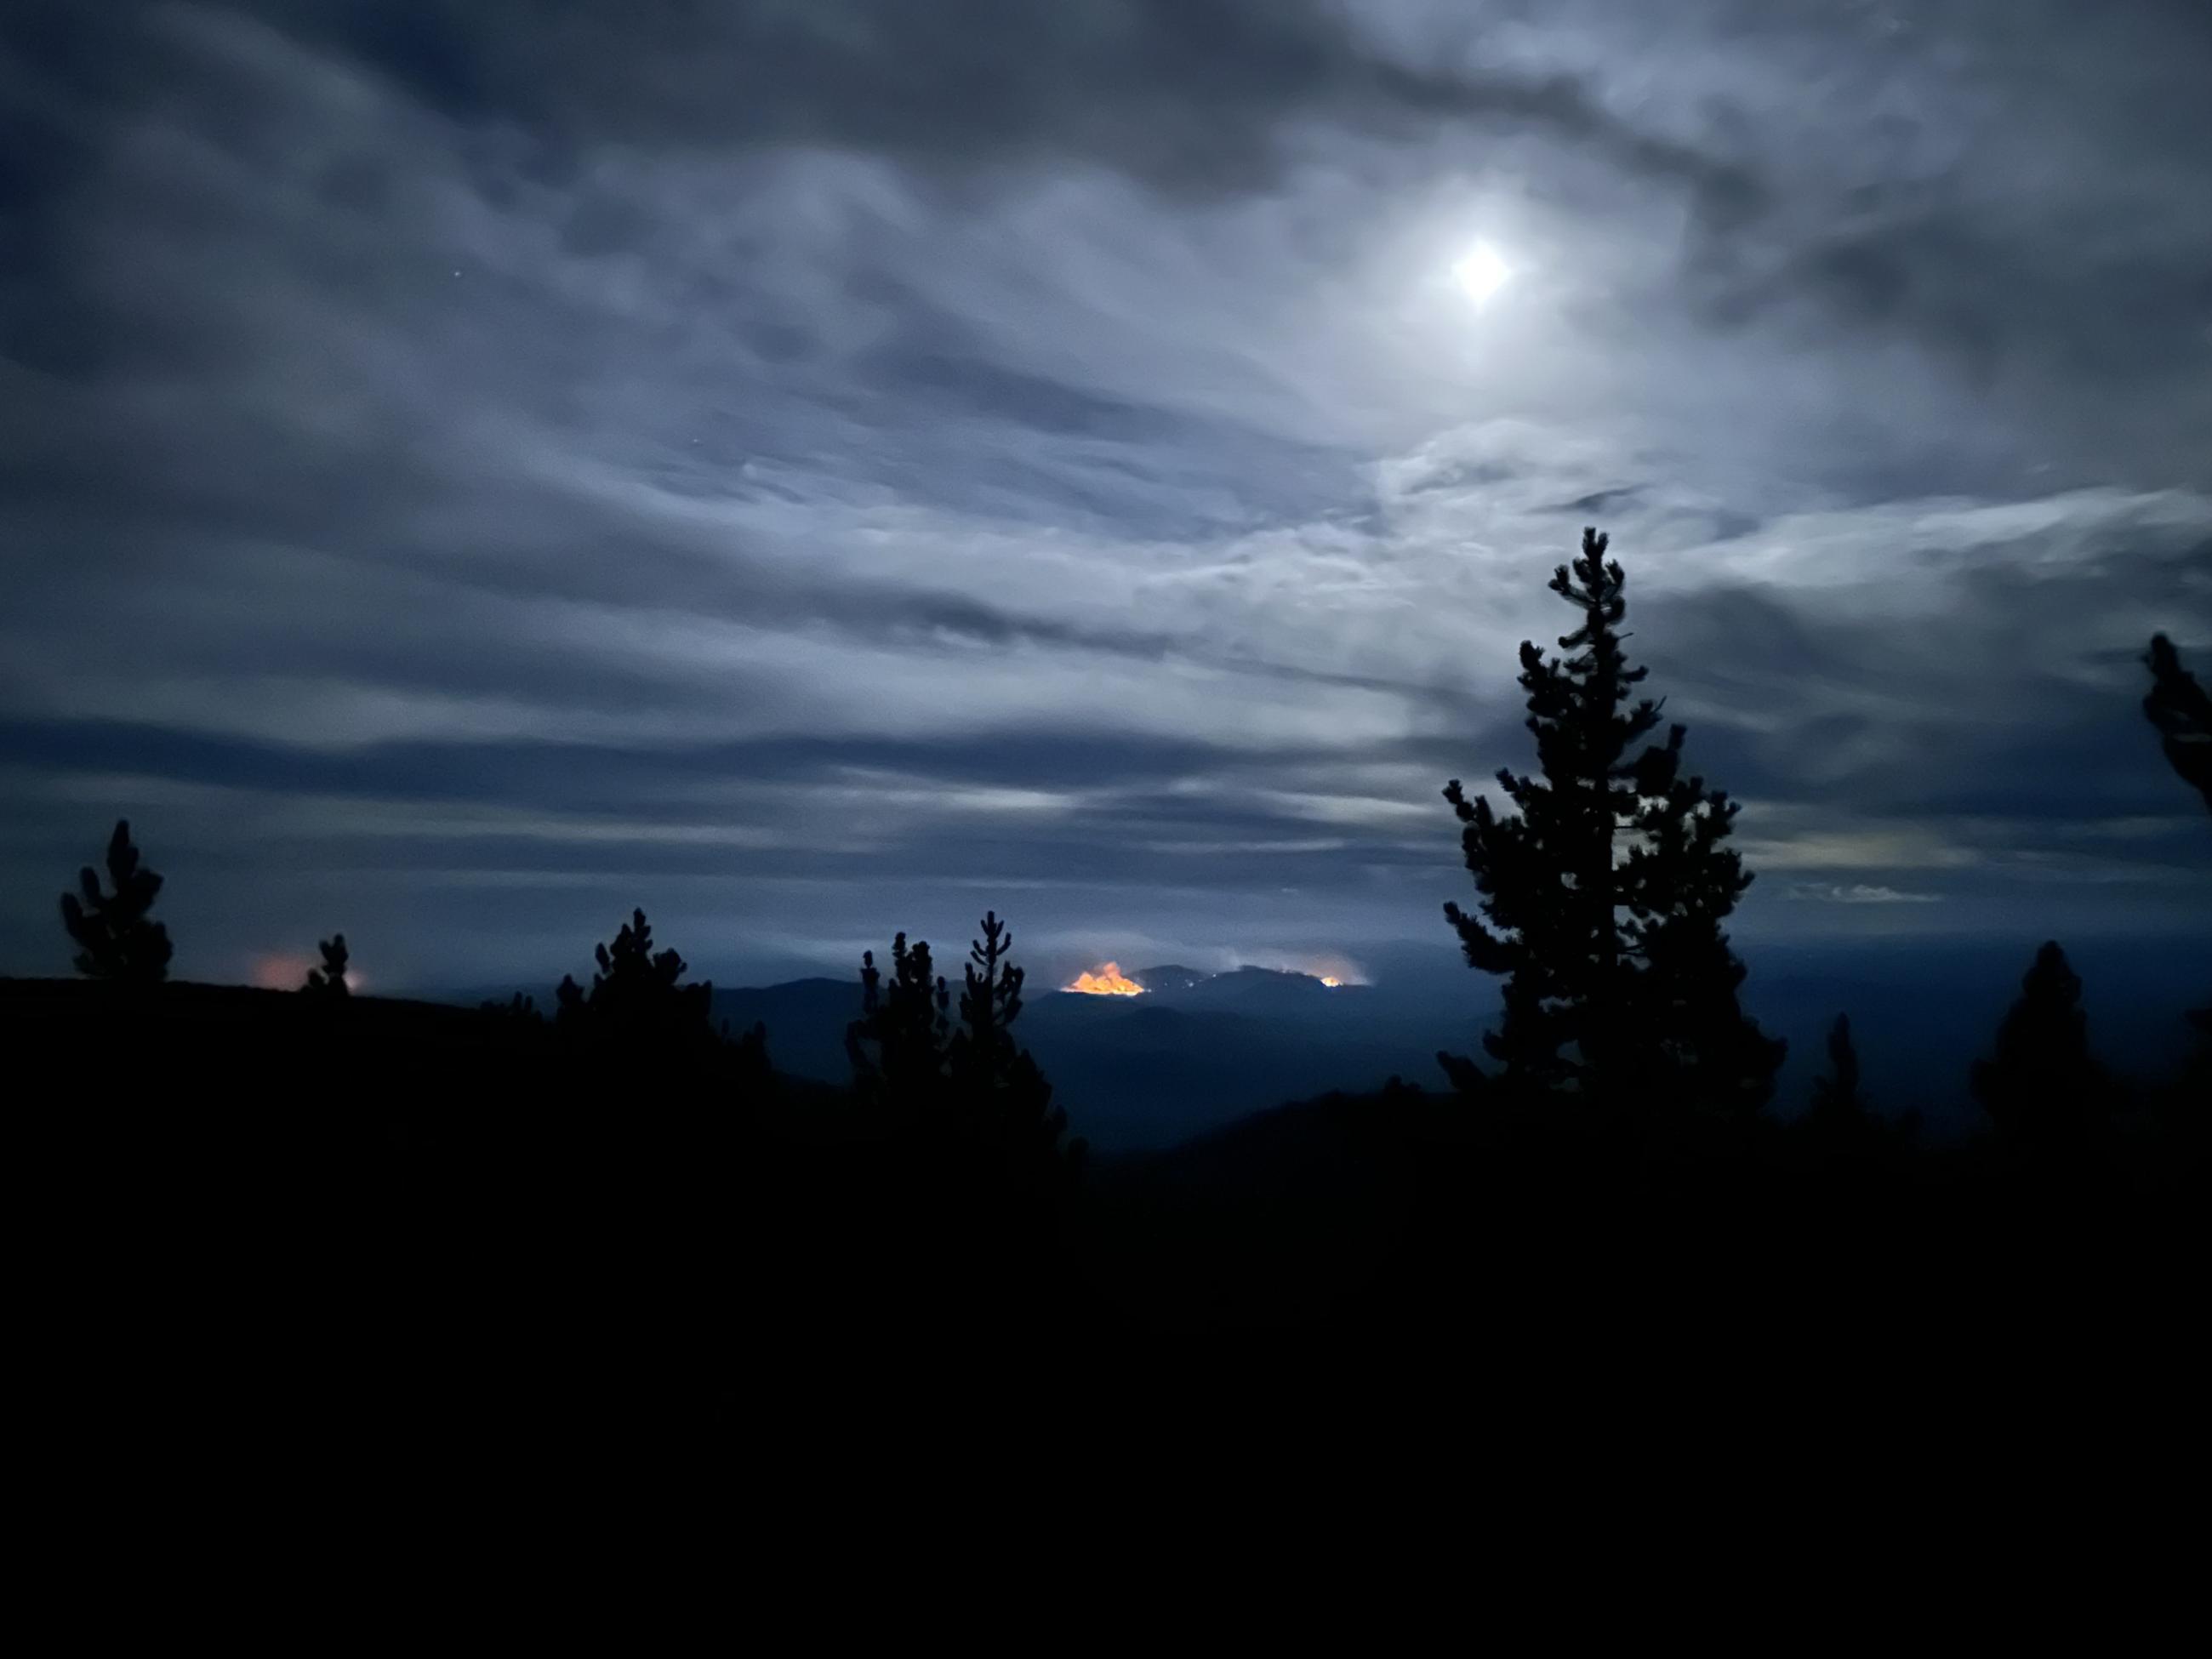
[417, 1220]
[1154, 1071]
[413, 1222]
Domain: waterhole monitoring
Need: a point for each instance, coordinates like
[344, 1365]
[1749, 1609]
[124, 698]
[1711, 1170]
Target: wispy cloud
[1823, 892]
[724, 454]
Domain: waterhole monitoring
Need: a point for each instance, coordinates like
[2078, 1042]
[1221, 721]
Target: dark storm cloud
[830, 467]
[1189, 94]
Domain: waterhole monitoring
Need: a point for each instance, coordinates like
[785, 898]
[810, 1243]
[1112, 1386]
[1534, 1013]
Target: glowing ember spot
[1331, 981]
[1107, 982]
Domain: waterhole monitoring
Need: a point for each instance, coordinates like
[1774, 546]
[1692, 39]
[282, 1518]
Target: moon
[1482, 273]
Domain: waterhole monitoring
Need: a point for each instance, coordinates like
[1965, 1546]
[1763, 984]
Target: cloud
[1858, 893]
[815, 462]
[1185, 95]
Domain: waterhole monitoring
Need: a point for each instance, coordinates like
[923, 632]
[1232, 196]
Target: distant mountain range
[1199, 1050]
[1195, 1052]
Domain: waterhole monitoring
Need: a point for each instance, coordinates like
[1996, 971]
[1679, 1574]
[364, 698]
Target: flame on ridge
[1107, 982]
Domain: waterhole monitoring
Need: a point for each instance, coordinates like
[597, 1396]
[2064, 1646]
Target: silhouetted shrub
[329, 979]
[115, 939]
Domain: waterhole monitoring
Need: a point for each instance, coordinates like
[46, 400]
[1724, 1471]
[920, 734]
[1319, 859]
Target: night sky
[818, 468]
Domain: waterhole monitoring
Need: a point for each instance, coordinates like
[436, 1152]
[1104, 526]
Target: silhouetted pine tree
[899, 1044]
[2042, 1084]
[2181, 709]
[115, 940]
[329, 979]
[1842, 1128]
[1835, 1096]
[1684, 1037]
[982, 1049]
[1627, 1012]
[970, 1083]
[636, 996]
[1004, 1094]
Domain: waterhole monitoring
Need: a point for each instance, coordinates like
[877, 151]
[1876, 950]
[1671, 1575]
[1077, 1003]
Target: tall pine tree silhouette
[1603, 891]
[983, 1050]
[1002, 1090]
[2042, 1086]
[115, 939]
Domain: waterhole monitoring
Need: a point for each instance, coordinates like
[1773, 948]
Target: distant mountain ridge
[1195, 1052]
[1168, 979]
[1199, 1050]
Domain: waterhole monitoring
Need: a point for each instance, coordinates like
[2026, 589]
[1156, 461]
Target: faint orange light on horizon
[1107, 982]
[1331, 981]
[279, 971]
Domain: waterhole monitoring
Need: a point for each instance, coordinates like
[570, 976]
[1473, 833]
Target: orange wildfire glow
[1331, 981]
[1107, 982]
[280, 972]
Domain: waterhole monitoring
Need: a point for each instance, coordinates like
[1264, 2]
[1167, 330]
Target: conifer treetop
[115, 938]
[1603, 883]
